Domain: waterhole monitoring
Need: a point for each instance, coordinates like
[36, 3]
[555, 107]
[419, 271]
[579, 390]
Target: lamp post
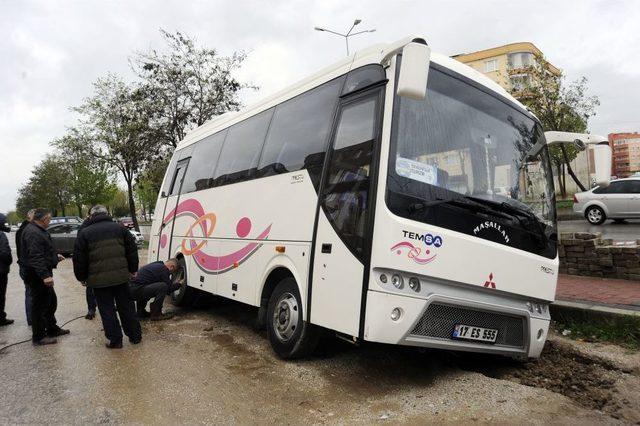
[348, 34]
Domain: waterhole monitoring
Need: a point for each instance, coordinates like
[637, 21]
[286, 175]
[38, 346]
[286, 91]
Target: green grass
[564, 204]
[621, 330]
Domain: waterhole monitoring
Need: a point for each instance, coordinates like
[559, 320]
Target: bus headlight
[383, 278]
[397, 281]
[396, 313]
[414, 284]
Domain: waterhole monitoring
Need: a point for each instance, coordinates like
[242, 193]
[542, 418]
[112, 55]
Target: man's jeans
[110, 300]
[27, 297]
[143, 293]
[43, 307]
[91, 299]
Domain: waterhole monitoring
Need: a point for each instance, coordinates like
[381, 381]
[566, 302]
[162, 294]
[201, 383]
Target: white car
[618, 201]
[138, 236]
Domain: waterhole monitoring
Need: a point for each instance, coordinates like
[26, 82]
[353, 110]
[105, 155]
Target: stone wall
[583, 253]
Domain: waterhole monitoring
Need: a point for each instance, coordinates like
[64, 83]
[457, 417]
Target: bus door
[173, 196]
[342, 244]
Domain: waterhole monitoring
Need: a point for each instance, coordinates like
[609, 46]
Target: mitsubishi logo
[490, 283]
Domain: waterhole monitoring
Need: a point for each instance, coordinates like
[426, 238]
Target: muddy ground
[210, 365]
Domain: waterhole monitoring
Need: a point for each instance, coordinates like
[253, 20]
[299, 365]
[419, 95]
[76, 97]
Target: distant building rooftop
[524, 46]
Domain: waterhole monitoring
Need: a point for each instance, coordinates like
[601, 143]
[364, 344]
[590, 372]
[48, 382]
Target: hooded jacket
[105, 253]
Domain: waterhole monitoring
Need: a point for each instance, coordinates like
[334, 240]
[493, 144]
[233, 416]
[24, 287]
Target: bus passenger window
[298, 133]
[241, 149]
[203, 161]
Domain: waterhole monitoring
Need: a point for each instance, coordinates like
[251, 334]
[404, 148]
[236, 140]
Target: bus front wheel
[290, 336]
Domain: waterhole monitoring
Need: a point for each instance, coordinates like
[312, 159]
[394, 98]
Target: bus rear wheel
[185, 295]
[290, 336]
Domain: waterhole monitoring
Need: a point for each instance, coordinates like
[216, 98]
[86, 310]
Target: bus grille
[438, 321]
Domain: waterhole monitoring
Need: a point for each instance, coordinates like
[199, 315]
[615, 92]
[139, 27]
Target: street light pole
[348, 34]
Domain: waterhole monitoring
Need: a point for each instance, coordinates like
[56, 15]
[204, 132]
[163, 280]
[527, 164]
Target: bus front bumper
[430, 321]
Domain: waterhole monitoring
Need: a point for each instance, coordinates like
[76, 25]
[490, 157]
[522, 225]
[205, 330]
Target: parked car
[618, 201]
[138, 236]
[14, 228]
[63, 236]
[65, 219]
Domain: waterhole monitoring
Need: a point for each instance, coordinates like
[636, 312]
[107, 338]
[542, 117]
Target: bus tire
[290, 336]
[185, 295]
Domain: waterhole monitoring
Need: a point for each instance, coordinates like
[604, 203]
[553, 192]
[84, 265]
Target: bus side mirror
[414, 70]
[601, 151]
[602, 164]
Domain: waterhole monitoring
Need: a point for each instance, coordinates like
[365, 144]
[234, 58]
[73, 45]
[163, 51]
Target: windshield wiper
[516, 211]
[461, 202]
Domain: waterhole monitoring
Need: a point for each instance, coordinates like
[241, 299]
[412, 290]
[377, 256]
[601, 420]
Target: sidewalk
[600, 294]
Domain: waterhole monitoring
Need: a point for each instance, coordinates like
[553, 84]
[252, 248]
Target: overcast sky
[52, 51]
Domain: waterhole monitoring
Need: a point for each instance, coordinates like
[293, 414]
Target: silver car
[618, 201]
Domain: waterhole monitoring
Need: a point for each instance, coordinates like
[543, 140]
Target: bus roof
[375, 54]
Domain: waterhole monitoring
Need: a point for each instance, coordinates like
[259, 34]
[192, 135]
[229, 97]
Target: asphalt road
[211, 366]
[626, 231]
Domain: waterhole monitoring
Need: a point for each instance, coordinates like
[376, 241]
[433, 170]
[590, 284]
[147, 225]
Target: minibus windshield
[470, 153]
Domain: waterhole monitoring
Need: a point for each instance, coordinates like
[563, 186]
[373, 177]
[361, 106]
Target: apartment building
[626, 153]
[506, 65]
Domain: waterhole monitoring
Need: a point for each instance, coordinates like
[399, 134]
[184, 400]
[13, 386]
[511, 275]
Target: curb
[562, 308]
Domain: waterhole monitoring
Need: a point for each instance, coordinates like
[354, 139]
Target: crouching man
[154, 281]
[104, 257]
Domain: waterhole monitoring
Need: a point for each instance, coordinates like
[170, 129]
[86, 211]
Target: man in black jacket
[38, 258]
[5, 261]
[27, 289]
[105, 256]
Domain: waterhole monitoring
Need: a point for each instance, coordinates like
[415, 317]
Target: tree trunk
[79, 209]
[144, 211]
[569, 169]
[132, 206]
[563, 191]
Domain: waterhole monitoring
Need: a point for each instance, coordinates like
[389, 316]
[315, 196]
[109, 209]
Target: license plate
[469, 332]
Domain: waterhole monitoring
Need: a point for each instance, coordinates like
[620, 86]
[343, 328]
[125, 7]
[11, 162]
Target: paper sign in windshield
[417, 171]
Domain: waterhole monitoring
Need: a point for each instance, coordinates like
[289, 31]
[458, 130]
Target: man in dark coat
[27, 289]
[5, 262]
[38, 258]
[154, 281]
[105, 256]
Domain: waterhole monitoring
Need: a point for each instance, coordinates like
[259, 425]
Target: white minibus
[397, 196]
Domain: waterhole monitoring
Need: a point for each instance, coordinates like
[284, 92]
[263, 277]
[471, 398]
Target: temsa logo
[428, 239]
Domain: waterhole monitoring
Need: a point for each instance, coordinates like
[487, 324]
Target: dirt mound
[589, 381]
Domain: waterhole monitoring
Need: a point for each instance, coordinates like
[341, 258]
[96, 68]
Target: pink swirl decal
[413, 252]
[206, 223]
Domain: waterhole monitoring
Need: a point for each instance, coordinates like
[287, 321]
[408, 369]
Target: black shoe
[90, 315]
[113, 345]
[143, 314]
[45, 341]
[135, 341]
[6, 322]
[58, 332]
